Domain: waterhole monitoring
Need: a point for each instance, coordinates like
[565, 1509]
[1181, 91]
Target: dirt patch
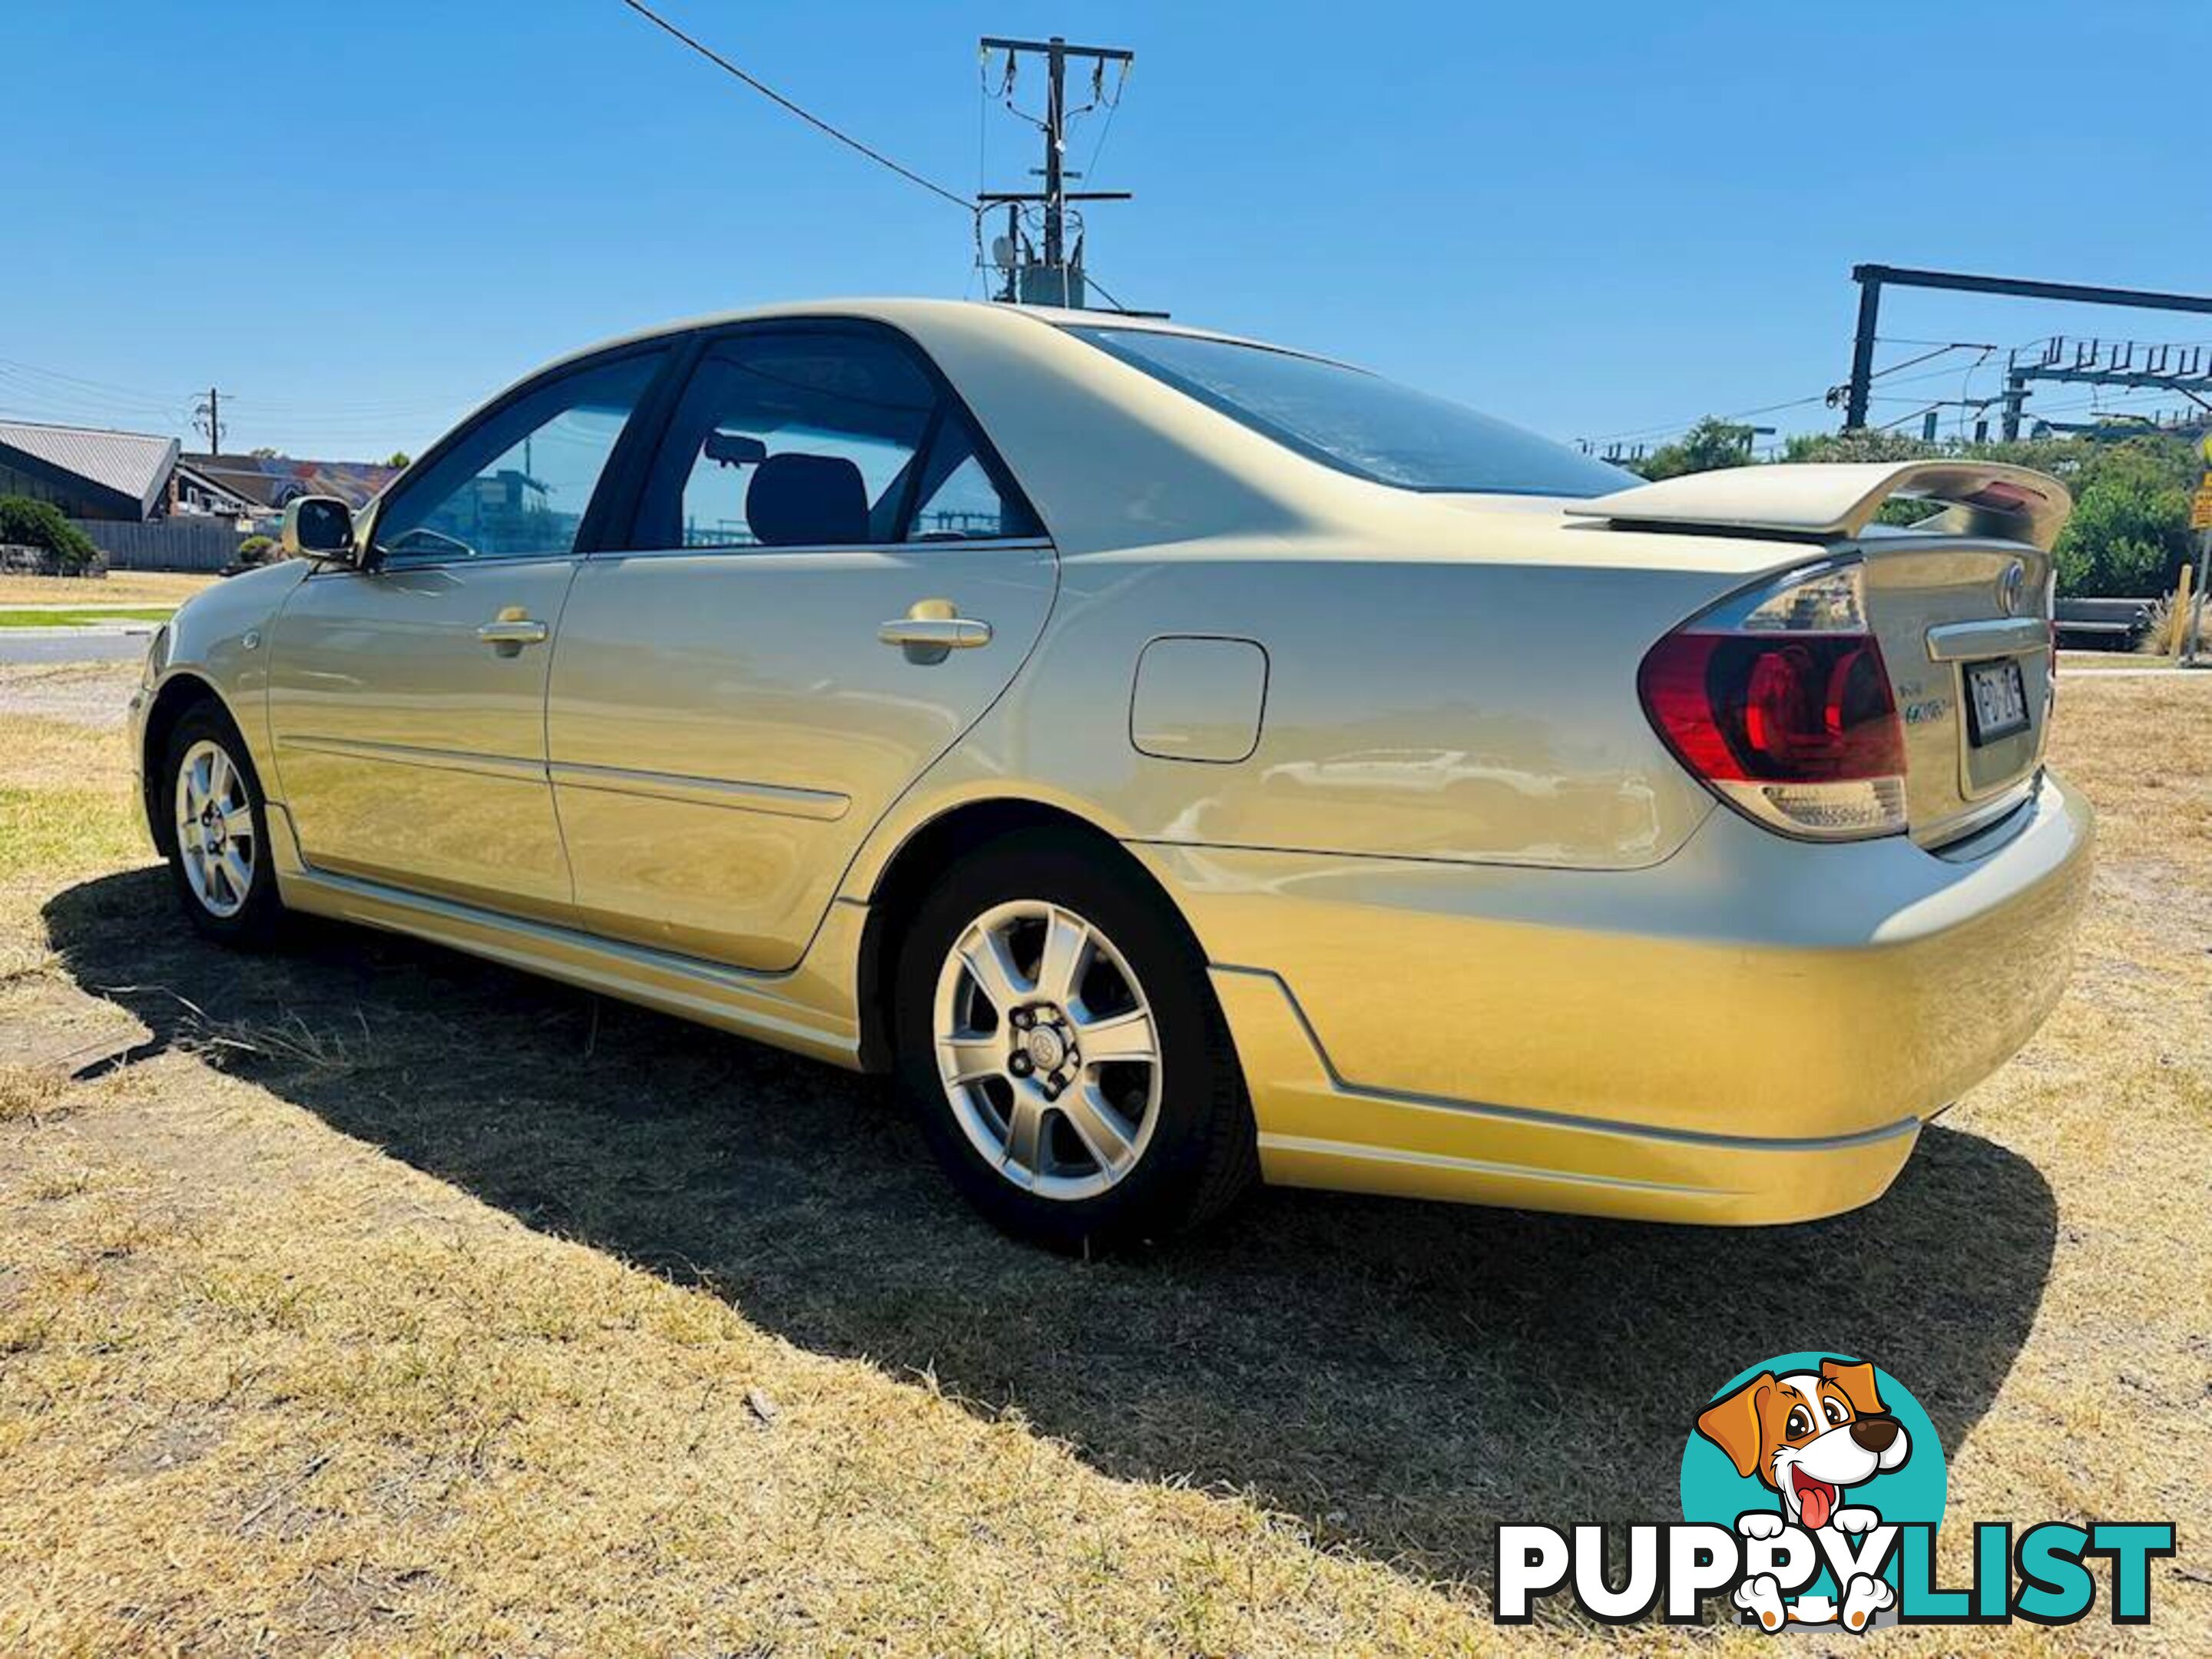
[81, 694]
[365, 1294]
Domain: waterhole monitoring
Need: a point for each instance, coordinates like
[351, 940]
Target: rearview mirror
[735, 449]
[319, 527]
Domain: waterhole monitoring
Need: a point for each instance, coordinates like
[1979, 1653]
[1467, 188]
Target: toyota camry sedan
[1181, 762]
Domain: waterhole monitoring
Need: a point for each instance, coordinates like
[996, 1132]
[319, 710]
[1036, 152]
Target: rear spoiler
[1829, 501]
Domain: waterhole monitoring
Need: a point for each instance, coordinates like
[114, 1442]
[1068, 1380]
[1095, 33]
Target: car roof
[920, 318]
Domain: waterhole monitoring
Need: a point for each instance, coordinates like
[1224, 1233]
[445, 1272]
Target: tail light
[1778, 701]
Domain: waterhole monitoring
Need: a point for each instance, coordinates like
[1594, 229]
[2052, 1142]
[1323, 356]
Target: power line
[1949, 346]
[812, 119]
[1092, 278]
[132, 394]
[1683, 426]
[1106, 126]
[1941, 348]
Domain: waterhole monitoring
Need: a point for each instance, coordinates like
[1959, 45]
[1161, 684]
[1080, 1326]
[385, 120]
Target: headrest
[807, 501]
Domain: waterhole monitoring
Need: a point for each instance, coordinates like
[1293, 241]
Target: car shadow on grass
[1400, 1376]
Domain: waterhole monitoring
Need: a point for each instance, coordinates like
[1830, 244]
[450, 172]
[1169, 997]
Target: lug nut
[1023, 1019]
[1020, 1065]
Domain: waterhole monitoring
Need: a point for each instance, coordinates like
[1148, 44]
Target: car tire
[217, 832]
[1148, 1135]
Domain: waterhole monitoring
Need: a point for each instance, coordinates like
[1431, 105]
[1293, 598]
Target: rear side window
[820, 437]
[956, 497]
[799, 439]
[1359, 422]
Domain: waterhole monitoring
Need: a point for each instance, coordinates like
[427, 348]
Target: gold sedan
[1181, 759]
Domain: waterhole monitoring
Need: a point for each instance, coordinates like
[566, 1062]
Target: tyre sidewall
[254, 922]
[1200, 1077]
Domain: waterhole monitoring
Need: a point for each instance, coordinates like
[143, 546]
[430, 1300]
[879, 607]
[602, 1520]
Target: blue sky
[1589, 219]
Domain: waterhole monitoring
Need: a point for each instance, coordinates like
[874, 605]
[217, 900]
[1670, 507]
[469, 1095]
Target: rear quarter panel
[1430, 707]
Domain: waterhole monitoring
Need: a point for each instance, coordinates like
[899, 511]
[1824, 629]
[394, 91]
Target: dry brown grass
[117, 588]
[364, 1296]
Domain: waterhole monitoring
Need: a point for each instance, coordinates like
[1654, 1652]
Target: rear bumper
[1752, 1031]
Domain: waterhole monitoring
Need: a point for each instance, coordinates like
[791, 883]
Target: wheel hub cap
[1045, 1047]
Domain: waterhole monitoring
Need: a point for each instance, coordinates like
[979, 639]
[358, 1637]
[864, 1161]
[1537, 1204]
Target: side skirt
[802, 1011]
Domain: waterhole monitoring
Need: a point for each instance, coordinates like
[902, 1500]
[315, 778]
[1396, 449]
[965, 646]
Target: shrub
[257, 550]
[26, 523]
[2158, 636]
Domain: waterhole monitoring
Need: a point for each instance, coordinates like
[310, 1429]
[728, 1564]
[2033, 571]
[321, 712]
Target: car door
[830, 578]
[407, 698]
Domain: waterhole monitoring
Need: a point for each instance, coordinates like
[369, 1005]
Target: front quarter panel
[221, 635]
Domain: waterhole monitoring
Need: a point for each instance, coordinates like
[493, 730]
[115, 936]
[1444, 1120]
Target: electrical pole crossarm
[1111, 54]
[2023, 288]
[997, 196]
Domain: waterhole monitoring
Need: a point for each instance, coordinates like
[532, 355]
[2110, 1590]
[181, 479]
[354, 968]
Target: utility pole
[1056, 277]
[2015, 396]
[2200, 517]
[207, 417]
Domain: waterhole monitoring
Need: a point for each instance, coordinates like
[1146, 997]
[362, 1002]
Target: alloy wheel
[1047, 1049]
[217, 846]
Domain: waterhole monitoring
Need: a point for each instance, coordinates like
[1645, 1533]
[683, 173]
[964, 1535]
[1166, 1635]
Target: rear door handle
[510, 631]
[931, 631]
[952, 633]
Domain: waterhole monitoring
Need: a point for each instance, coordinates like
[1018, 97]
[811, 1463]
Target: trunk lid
[1965, 630]
[1960, 603]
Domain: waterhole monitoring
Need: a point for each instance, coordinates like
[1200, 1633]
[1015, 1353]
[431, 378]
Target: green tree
[1862, 444]
[2129, 533]
[400, 457]
[28, 523]
[1711, 445]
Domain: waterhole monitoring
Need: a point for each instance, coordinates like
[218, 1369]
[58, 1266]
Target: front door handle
[511, 630]
[933, 629]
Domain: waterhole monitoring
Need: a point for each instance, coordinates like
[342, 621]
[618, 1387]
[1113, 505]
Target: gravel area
[87, 693]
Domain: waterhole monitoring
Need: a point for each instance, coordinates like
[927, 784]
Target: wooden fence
[179, 543]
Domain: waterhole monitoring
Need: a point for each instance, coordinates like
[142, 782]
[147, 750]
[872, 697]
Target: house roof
[274, 480]
[132, 465]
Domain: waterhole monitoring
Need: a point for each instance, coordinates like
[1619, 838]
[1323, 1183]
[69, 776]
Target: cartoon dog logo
[1810, 1437]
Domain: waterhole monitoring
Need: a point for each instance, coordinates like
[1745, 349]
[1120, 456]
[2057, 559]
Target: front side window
[807, 439]
[1359, 422]
[517, 486]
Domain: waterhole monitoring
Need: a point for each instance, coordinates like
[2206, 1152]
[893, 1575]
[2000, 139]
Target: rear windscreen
[1357, 421]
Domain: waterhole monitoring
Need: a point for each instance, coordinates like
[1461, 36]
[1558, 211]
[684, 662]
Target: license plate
[1996, 700]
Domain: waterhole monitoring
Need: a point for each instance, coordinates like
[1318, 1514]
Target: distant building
[191, 491]
[272, 480]
[86, 472]
[134, 476]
